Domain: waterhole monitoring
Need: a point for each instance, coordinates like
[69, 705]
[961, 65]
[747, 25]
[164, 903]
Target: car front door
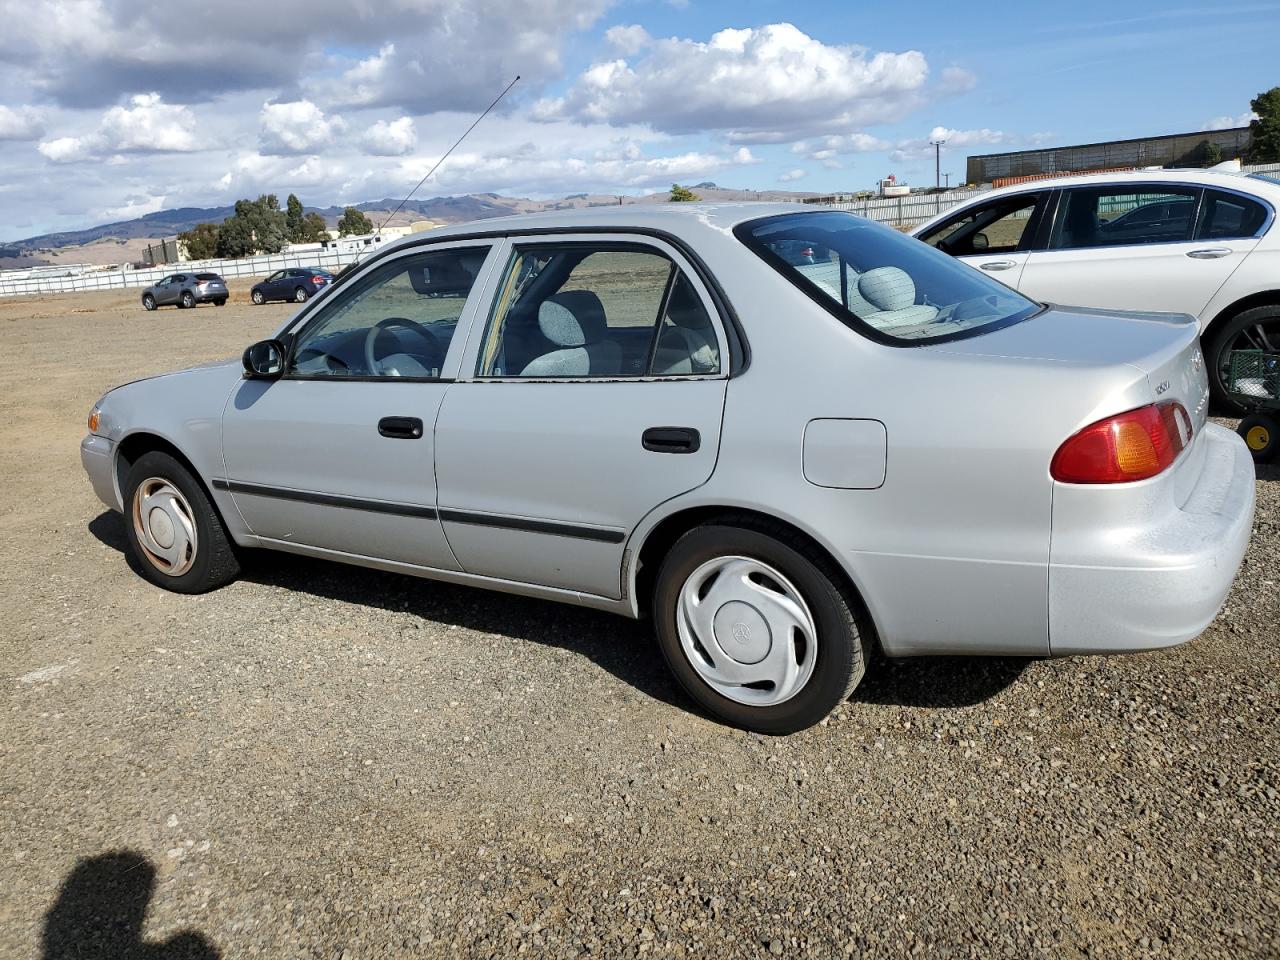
[339, 453]
[271, 286]
[994, 236]
[593, 394]
[162, 290]
[1132, 247]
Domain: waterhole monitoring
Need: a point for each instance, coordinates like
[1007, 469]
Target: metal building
[1172, 150]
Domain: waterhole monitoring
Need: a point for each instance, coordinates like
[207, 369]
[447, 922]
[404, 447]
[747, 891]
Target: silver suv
[186, 290]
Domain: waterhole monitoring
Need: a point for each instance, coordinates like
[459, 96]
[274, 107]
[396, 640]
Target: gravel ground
[320, 761]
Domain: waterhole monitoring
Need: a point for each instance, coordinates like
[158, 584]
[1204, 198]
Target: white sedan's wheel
[165, 526]
[747, 631]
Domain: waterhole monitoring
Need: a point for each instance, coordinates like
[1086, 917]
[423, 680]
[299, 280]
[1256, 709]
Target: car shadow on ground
[100, 911]
[625, 648]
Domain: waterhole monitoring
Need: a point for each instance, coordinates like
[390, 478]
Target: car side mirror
[264, 360]
[980, 241]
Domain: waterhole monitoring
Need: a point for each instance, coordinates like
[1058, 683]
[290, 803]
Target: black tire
[1261, 433]
[215, 563]
[842, 649]
[1257, 328]
[257, 297]
[222, 302]
[300, 295]
[148, 302]
[188, 300]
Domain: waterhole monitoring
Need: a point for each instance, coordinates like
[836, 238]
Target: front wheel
[258, 298]
[188, 300]
[174, 531]
[756, 629]
[300, 295]
[1261, 435]
[148, 302]
[1254, 329]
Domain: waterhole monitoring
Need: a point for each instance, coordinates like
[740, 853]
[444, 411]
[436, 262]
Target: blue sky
[101, 118]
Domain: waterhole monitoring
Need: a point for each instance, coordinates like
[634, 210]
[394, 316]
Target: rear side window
[998, 227]
[1120, 215]
[587, 311]
[1229, 216]
[880, 281]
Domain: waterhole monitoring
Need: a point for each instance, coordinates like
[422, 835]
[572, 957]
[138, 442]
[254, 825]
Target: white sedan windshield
[889, 285]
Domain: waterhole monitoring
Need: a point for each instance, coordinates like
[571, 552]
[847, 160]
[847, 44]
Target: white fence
[906, 211]
[118, 278]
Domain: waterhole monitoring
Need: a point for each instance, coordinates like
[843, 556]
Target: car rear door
[1133, 246]
[994, 236]
[593, 395]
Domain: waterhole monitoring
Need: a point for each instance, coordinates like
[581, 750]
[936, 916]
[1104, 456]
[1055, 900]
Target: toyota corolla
[789, 436]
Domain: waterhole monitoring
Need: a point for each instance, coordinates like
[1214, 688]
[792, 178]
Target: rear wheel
[757, 631]
[174, 531]
[300, 294]
[1254, 329]
[258, 298]
[222, 302]
[188, 300]
[1261, 434]
[148, 302]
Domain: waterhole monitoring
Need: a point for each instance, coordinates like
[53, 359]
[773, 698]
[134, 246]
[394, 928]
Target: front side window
[597, 310]
[1119, 215]
[998, 227]
[396, 321]
[881, 281]
[1229, 216]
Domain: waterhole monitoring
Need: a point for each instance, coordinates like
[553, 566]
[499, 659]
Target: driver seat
[574, 321]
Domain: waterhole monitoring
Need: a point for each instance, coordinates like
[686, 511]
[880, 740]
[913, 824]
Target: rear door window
[1123, 215]
[1229, 216]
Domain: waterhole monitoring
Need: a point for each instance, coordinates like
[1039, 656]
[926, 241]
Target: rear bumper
[96, 457]
[1144, 566]
[210, 295]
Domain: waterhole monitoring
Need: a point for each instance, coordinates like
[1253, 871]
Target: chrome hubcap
[165, 525]
[747, 631]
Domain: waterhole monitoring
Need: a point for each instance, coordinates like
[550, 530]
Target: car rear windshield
[881, 282]
[207, 276]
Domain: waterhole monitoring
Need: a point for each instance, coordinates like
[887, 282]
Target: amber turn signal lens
[1130, 446]
[93, 420]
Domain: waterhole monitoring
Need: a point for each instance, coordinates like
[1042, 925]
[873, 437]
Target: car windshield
[881, 282]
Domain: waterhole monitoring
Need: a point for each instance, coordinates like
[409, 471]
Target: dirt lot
[324, 762]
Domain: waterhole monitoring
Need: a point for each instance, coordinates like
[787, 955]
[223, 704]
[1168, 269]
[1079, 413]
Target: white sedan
[1201, 242]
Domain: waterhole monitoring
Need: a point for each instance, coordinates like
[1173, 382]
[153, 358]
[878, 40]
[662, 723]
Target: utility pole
[937, 161]
[948, 183]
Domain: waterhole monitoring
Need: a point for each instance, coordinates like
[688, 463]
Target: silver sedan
[790, 436]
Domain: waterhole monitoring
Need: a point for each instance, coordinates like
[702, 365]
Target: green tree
[257, 226]
[293, 218]
[1264, 132]
[314, 229]
[681, 194]
[353, 223]
[201, 241]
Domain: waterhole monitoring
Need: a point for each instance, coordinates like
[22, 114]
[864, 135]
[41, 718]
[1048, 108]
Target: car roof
[1227, 179]
[681, 219]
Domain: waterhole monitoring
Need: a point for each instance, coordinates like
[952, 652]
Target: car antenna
[474, 124]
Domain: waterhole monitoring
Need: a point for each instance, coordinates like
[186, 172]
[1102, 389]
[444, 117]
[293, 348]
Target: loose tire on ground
[1261, 433]
[159, 482]
[839, 649]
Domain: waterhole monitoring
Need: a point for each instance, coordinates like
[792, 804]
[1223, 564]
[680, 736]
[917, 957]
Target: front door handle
[400, 428]
[998, 265]
[1209, 253]
[671, 439]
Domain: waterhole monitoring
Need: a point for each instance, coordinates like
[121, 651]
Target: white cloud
[298, 126]
[1228, 122]
[791, 175]
[628, 40]
[393, 139]
[134, 207]
[916, 149]
[147, 125]
[764, 84]
[956, 80]
[21, 124]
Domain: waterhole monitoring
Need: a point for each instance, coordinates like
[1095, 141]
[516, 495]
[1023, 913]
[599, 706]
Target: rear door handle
[1209, 253]
[671, 439]
[400, 428]
[997, 265]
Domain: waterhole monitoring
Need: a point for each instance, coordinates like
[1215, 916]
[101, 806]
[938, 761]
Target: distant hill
[475, 206]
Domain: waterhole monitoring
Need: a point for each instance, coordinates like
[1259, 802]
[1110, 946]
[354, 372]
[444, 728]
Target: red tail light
[1127, 447]
[317, 279]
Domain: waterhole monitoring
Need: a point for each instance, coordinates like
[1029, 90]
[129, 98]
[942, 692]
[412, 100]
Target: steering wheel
[432, 356]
